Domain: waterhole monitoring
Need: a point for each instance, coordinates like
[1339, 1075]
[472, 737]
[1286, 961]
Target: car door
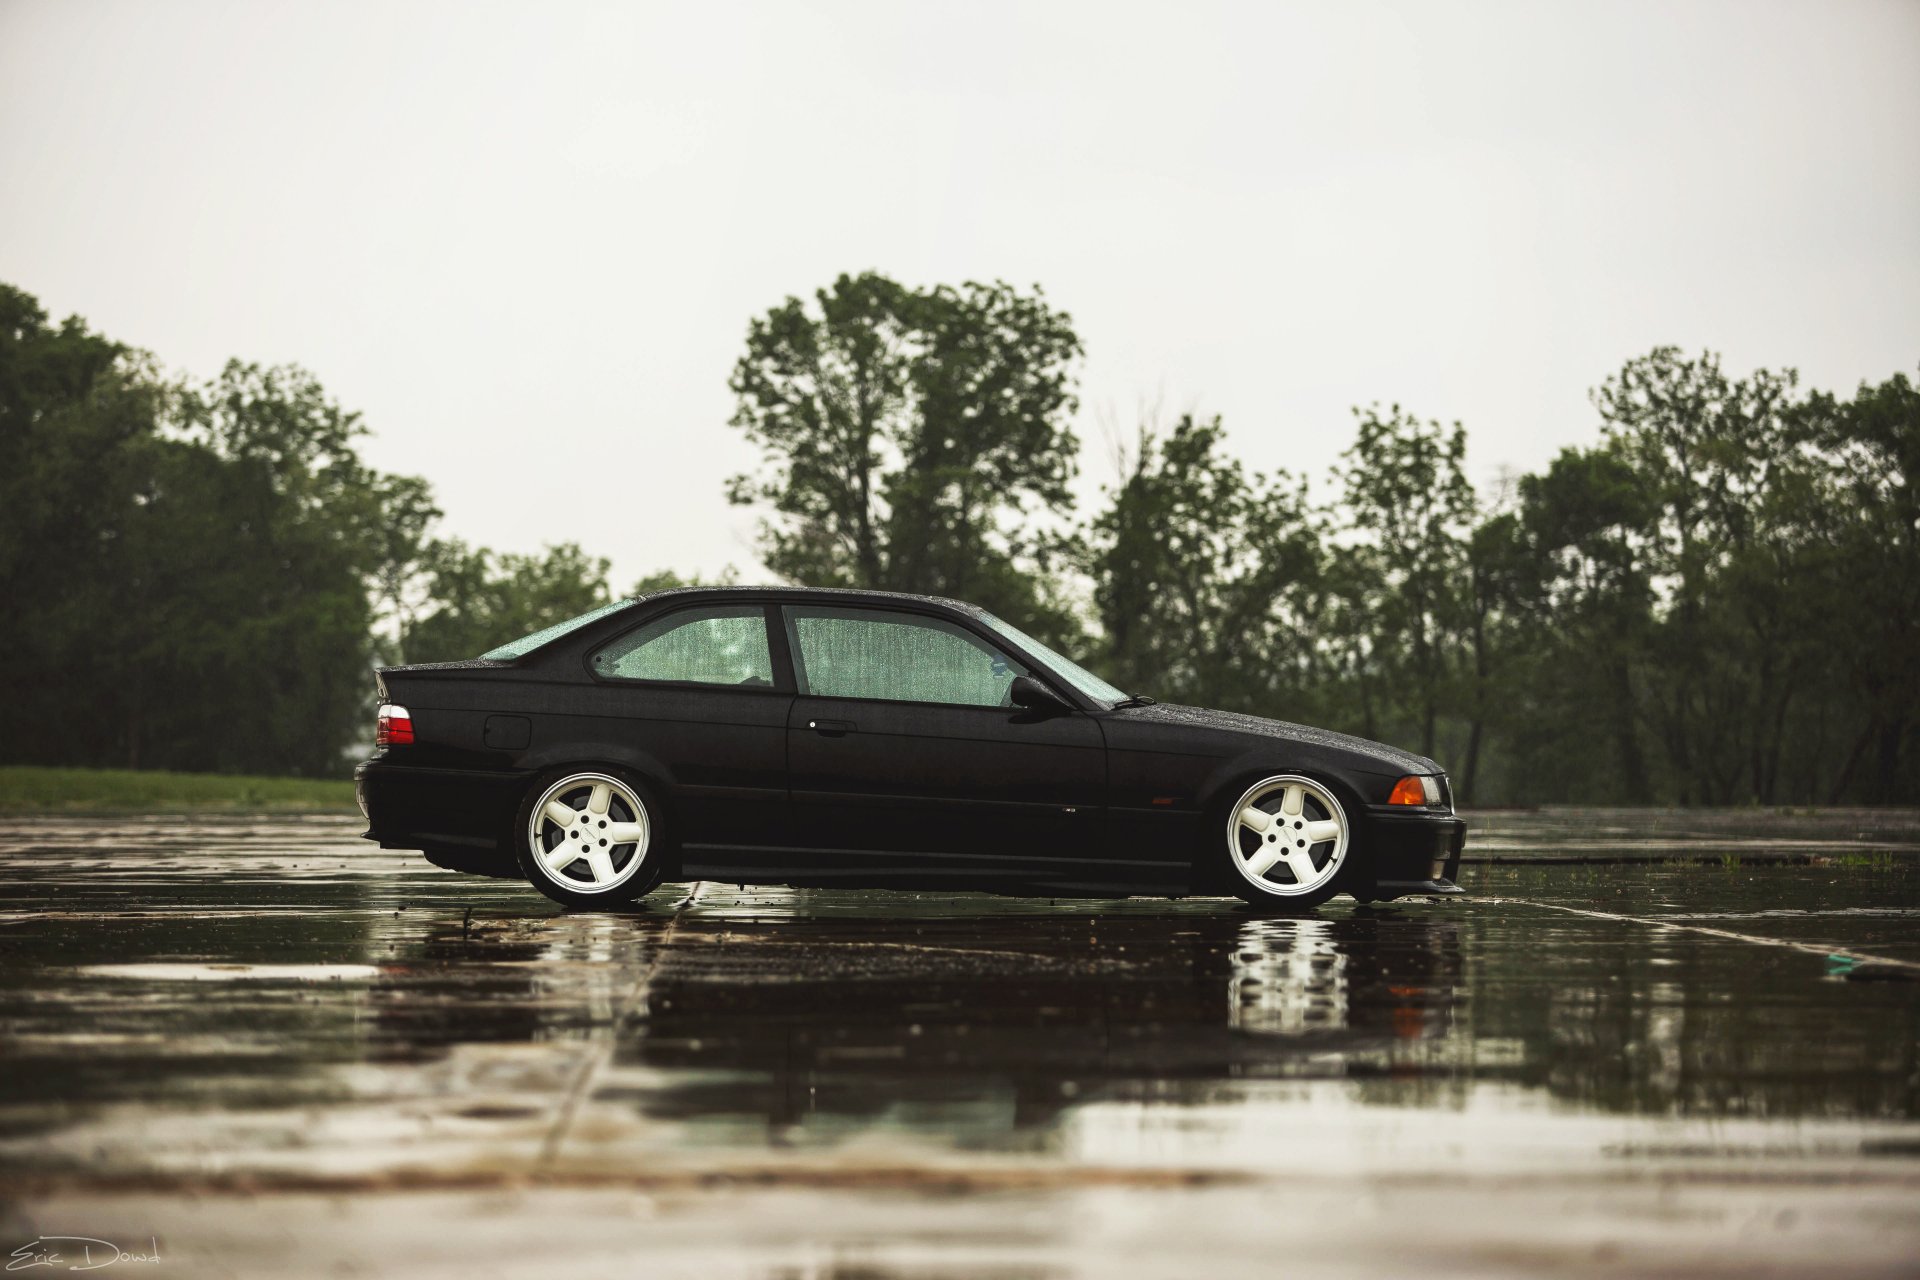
[697, 690]
[904, 754]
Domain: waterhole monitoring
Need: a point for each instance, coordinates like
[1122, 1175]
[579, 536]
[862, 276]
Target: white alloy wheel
[1287, 835]
[588, 833]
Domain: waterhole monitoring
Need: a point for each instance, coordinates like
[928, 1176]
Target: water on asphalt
[1649, 1043]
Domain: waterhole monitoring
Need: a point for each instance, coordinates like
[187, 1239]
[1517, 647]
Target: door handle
[831, 728]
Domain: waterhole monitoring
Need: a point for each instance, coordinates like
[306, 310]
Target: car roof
[844, 595]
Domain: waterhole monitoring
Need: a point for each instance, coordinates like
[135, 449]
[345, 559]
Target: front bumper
[1410, 854]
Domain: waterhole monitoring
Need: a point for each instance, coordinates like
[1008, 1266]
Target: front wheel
[584, 840]
[1287, 838]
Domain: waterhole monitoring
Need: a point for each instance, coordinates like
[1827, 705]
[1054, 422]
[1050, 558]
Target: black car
[855, 738]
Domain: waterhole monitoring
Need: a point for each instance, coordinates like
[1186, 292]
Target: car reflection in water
[989, 1028]
[519, 981]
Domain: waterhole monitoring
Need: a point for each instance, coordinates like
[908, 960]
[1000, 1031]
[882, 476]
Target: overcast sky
[525, 241]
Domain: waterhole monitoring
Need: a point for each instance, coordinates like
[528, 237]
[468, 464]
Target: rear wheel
[1286, 838]
[589, 839]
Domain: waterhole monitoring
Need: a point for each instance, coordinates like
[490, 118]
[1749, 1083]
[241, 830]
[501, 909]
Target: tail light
[1414, 789]
[394, 727]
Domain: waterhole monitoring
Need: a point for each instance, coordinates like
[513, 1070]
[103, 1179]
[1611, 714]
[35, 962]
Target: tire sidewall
[1217, 855]
[642, 882]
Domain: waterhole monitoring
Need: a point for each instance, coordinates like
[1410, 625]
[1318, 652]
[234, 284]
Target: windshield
[1072, 672]
[527, 644]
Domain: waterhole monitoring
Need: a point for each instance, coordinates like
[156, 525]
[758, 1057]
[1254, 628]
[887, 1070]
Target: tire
[1252, 833]
[604, 870]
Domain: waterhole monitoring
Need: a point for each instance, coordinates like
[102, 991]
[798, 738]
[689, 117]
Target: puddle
[160, 972]
[259, 1006]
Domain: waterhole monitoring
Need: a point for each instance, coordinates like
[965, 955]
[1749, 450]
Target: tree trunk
[1480, 665]
[1886, 784]
[1470, 775]
[1368, 728]
[1633, 766]
[1769, 780]
[866, 551]
[1853, 761]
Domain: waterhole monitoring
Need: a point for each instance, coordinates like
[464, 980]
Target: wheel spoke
[561, 856]
[560, 815]
[1289, 830]
[625, 833]
[601, 798]
[1262, 861]
[602, 864]
[1301, 861]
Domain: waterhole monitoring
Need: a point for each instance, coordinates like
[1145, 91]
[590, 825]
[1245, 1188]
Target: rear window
[717, 644]
[527, 644]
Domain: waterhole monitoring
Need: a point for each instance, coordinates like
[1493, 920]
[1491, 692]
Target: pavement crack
[602, 1050]
[1681, 926]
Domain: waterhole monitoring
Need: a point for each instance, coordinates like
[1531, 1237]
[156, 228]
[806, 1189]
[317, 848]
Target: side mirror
[1031, 694]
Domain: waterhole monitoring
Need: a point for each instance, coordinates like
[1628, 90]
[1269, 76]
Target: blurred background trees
[913, 440]
[1716, 602]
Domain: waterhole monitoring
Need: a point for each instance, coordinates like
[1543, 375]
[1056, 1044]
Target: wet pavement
[1648, 1044]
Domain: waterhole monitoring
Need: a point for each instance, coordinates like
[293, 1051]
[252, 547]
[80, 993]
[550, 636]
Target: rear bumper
[1406, 854]
[456, 814]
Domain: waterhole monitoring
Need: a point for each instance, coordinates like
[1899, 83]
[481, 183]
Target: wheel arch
[583, 757]
[1233, 776]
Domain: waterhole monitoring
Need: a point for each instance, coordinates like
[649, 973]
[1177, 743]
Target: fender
[1235, 774]
[644, 765]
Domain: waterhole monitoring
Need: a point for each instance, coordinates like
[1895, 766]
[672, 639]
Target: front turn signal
[1410, 790]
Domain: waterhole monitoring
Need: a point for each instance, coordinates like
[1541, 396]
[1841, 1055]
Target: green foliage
[36, 789]
[483, 599]
[668, 580]
[204, 573]
[913, 440]
[1861, 514]
[1207, 580]
[1408, 500]
[1717, 602]
[189, 560]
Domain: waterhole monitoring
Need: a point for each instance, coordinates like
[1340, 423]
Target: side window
[721, 644]
[871, 653]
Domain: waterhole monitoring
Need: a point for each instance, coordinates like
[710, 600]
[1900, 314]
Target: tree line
[1714, 602]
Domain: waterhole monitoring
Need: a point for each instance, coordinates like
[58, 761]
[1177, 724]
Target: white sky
[526, 241]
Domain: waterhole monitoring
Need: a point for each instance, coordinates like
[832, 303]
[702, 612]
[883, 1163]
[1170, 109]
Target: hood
[1384, 758]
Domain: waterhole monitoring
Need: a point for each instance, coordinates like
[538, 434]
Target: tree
[1589, 523]
[1502, 572]
[825, 396]
[483, 599]
[77, 420]
[1408, 499]
[401, 588]
[198, 552]
[913, 440]
[1868, 521]
[1708, 449]
[1207, 581]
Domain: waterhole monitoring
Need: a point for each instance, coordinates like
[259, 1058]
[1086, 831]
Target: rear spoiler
[432, 671]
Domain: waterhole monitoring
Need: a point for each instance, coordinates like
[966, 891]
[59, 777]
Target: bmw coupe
[814, 737]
